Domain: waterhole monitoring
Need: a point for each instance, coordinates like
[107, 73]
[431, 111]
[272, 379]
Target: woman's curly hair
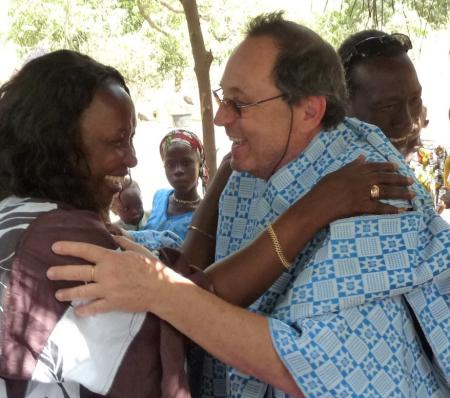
[40, 112]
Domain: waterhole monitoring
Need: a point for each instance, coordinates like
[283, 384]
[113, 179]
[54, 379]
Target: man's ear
[315, 107]
[310, 111]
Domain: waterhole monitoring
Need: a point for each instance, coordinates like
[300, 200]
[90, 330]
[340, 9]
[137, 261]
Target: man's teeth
[236, 140]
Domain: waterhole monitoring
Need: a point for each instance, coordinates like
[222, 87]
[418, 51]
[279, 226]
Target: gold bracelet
[194, 228]
[277, 247]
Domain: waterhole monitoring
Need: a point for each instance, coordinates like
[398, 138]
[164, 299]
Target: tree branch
[152, 24]
[352, 8]
[169, 7]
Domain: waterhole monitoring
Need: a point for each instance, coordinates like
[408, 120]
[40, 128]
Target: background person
[127, 205]
[383, 86]
[184, 163]
[384, 90]
[340, 319]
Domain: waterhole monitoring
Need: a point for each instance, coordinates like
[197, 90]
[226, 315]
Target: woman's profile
[66, 143]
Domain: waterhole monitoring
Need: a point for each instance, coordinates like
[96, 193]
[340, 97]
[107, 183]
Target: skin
[129, 205]
[261, 142]
[182, 167]
[107, 130]
[135, 281]
[388, 94]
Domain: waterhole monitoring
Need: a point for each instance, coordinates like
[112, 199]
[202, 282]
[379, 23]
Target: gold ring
[92, 273]
[375, 192]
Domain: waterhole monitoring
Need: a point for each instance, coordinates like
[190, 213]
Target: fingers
[389, 179]
[125, 243]
[376, 167]
[93, 308]
[396, 192]
[82, 273]
[129, 245]
[82, 292]
[86, 251]
[384, 208]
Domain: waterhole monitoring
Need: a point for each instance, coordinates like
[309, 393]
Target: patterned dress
[365, 309]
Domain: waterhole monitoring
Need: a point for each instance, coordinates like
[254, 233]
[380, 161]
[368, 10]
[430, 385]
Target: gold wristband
[277, 247]
[194, 228]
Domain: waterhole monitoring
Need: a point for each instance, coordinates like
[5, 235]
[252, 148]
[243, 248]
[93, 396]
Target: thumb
[126, 243]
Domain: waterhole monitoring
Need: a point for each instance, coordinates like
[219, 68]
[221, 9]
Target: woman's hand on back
[347, 191]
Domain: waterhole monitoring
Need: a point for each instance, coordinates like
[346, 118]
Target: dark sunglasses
[380, 45]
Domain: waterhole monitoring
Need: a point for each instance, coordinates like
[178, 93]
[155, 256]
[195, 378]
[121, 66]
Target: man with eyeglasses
[337, 322]
[384, 90]
[337, 319]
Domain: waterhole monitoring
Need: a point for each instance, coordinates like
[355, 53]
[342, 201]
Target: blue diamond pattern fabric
[340, 317]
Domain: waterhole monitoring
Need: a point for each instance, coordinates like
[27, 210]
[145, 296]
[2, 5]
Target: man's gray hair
[306, 64]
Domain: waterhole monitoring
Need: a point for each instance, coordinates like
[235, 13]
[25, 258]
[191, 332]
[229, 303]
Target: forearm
[198, 247]
[242, 277]
[231, 334]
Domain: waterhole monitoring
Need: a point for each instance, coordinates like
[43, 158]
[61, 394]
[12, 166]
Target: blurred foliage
[414, 17]
[147, 40]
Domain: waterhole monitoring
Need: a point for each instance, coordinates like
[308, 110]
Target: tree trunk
[202, 62]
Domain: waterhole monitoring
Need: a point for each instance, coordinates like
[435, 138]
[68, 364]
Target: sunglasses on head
[377, 45]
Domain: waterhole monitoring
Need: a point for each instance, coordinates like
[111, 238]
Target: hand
[125, 281]
[346, 192]
[223, 172]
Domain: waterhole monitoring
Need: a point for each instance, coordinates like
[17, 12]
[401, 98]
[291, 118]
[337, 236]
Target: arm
[242, 277]
[199, 248]
[245, 275]
[232, 334]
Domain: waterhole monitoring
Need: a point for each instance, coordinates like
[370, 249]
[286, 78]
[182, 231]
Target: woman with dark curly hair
[66, 141]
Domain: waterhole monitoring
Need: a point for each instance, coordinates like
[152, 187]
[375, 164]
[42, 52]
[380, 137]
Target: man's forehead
[252, 61]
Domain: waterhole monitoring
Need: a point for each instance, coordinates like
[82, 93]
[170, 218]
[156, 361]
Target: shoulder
[161, 195]
[163, 192]
[59, 224]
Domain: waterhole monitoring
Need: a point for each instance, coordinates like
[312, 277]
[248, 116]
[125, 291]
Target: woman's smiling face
[107, 130]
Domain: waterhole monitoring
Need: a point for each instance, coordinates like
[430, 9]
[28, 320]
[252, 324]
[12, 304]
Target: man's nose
[225, 115]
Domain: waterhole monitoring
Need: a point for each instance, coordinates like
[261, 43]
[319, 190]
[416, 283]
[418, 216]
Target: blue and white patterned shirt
[340, 317]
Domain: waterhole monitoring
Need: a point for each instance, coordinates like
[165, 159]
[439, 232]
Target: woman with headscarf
[184, 163]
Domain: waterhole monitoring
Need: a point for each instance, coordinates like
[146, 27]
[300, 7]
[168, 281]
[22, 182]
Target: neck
[189, 198]
[189, 195]
[184, 202]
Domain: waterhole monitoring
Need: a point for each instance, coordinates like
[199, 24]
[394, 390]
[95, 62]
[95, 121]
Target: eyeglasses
[380, 45]
[237, 107]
